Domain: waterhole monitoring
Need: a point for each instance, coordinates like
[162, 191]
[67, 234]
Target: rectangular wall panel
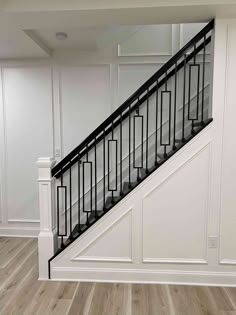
[228, 185]
[175, 215]
[29, 135]
[85, 102]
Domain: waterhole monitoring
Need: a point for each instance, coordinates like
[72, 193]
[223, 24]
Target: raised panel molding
[109, 240]
[74, 84]
[229, 262]
[139, 35]
[164, 227]
[227, 253]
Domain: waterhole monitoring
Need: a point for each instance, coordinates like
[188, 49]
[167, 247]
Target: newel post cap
[45, 162]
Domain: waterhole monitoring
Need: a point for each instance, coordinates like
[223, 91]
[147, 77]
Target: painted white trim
[4, 193]
[37, 221]
[152, 54]
[203, 260]
[104, 259]
[175, 261]
[227, 262]
[100, 235]
[19, 231]
[212, 278]
[31, 34]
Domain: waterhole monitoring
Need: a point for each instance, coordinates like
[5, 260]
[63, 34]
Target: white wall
[48, 107]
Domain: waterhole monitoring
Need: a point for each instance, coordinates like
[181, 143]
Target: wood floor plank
[58, 307]
[15, 281]
[150, 299]
[42, 298]
[139, 300]
[119, 303]
[9, 249]
[191, 300]
[18, 260]
[231, 292]
[25, 293]
[222, 300]
[82, 299]
[66, 290]
[102, 297]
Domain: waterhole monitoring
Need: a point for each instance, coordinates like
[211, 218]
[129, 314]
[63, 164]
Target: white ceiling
[27, 27]
[16, 44]
[60, 5]
[84, 39]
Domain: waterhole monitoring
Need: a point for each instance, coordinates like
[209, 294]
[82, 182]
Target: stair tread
[92, 216]
[109, 202]
[127, 186]
[75, 233]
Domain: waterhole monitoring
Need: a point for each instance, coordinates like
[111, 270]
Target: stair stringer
[129, 252]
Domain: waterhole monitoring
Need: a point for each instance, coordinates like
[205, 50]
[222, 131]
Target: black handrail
[70, 159]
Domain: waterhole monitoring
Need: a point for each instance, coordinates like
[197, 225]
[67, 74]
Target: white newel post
[47, 240]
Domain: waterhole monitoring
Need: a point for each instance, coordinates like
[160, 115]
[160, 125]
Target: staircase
[158, 120]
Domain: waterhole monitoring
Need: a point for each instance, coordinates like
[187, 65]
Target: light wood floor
[22, 294]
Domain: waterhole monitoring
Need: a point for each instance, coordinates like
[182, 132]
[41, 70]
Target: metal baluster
[138, 170]
[129, 147]
[87, 214]
[203, 78]
[79, 194]
[114, 155]
[121, 183]
[95, 176]
[191, 66]
[147, 131]
[91, 187]
[194, 62]
[58, 220]
[112, 137]
[58, 212]
[183, 119]
[108, 152]
[175, 98]
[165, 153]
[104, 170]
[156, 163]
[71, 236]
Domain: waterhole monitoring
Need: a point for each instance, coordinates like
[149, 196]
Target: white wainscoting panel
[102, 249]
[131, 77]
[85, 102]
[188, 31]
[148, 40]
[228, 184]
[29, 134]
[171, 210]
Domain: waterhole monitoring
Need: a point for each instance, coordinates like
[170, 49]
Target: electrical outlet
[212, 241]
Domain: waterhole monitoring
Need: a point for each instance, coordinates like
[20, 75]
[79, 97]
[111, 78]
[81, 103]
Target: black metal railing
[165, 113]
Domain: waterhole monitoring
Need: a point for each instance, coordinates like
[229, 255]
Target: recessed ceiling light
[61, 35]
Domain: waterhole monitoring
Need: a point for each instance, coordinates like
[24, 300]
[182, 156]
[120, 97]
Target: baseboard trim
[19, 231]
[144, 276]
